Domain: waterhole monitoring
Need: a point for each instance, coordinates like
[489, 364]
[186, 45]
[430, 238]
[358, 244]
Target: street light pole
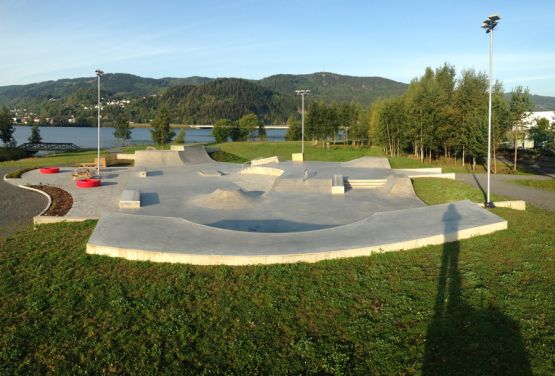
[302, 93]
[489, 24]
[98, 74]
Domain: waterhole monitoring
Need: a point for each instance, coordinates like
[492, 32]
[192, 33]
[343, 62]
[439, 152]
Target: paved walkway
[18, 206]
[501, 185]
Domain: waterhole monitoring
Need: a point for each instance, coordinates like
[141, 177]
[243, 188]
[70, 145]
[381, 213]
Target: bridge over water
[49, 146]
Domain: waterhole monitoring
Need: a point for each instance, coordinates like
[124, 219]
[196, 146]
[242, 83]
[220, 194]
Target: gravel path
[18, 206]
[501, 185]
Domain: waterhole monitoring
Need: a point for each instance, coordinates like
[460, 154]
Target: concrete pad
[448, 175]
[163, 239]
[515, 204]
[337, 185]
[297, 157]
[125, 156]
[262, 171]
[130, 199]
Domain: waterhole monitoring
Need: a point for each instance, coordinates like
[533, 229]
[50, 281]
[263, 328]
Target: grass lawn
[56, 159]
[482, 306]
[247, 151]
[548, 185]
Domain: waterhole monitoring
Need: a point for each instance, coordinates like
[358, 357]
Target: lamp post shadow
[463, 339]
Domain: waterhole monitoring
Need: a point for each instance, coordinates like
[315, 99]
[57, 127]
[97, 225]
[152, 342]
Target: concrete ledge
[130, 199]
[125, 156]
[262, 171]
[177, 147]
[337, 185]
[261, 161]
[366, 183]
[297, 157]
[176, 240]
[210, 173]
[515, 205]
[47, 219]
[448, 175]
[428, 170]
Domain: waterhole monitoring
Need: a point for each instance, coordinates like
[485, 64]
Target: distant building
[530, 121]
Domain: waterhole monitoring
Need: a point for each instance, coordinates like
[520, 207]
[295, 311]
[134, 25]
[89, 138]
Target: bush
[11, 154]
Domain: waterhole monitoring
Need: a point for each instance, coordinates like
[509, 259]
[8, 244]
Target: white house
[530, 121]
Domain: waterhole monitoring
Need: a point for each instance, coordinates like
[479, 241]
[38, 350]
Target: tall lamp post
[302, 93]
[489, 24]
[98, 74]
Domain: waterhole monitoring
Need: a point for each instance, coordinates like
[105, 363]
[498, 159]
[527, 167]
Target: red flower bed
[88, 183]
[49, 170]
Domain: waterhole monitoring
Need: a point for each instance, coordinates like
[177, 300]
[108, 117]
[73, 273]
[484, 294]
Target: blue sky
[45, 40]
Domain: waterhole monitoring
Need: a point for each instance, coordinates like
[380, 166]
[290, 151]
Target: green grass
[56, 159]
[251, 150]
[548, 185]
[432, 191]
[482, 306]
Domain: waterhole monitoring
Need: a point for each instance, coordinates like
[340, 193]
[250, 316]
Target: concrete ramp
[227, 199]
[171, 158]
[166, 239]
[157, 158]
[368, 162]
[195, 154]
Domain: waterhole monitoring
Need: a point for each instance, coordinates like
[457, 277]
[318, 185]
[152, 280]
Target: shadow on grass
[463, 339]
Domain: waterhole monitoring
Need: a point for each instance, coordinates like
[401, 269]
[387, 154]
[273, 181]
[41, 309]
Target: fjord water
[86, 137]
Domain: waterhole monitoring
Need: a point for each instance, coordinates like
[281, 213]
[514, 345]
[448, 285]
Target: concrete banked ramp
[168, 239]
[170, 158]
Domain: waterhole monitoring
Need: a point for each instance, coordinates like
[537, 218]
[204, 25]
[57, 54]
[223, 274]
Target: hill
[228, 98]
[197, 99]
[331, 87]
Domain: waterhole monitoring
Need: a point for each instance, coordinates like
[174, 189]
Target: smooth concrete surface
[130, 199]
[87, 203]
[165, 239]
[287, 203]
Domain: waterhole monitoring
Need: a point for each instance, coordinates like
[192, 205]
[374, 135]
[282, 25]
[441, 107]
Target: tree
[122, 131]
[161, 132]
[222, 130]
[247, 124]
[180, 138]
[35, 137]
[294, 131]
[521, 104]
[261, 132]
[6, 127]
[543, 134]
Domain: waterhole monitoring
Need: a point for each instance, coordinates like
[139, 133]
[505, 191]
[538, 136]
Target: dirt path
[500, 184]
[18, 206]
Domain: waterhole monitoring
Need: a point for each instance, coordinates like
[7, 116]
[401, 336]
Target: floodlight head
[494, 17]
[99, 72]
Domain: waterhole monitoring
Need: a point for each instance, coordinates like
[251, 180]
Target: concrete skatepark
[182, 206]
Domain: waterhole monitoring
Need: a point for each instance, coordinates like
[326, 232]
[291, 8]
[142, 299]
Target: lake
[85, 137]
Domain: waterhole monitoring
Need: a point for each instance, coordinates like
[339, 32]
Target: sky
[49, 40]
